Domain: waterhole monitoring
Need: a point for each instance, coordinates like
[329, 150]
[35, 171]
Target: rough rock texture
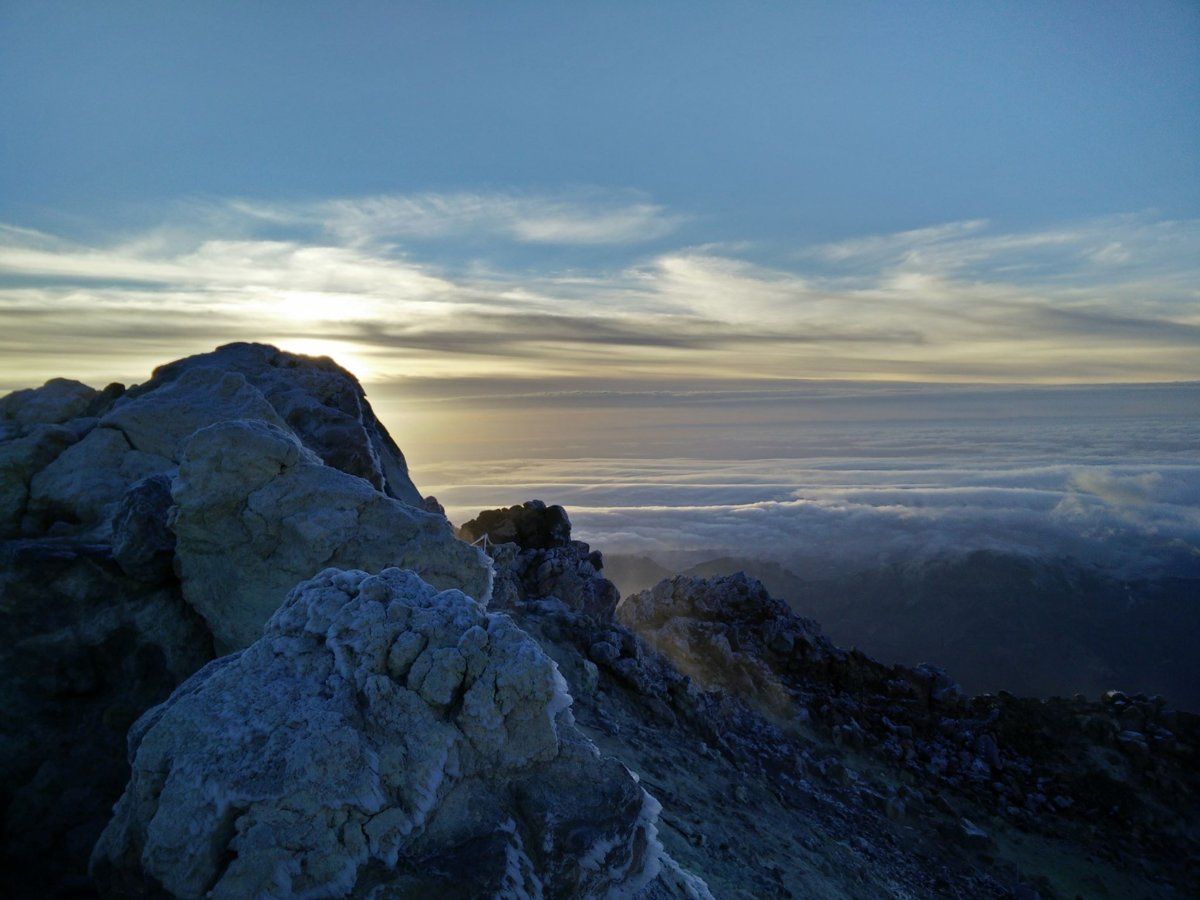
[535, 557]
[84, 650]
[142, 541]
[69, 482]
[93, 623]
[532, 526]
[886, 780]
[718, 633]
[381, 739]
[257, 512]
[320, 402]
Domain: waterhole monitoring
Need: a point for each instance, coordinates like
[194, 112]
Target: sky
[463, 199]
[848, 280]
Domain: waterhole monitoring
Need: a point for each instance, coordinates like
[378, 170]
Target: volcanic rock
[380, 739]
[257, 512]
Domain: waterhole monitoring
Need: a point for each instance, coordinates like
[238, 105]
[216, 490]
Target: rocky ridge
[129, 525]
[399, 713]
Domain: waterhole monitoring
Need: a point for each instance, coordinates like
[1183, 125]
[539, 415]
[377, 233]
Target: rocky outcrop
[94, 623]
[320, 402]
[531, 526]
[69, 453]
[721, 633]
[535, 558]
[380, 739]
[256, 512]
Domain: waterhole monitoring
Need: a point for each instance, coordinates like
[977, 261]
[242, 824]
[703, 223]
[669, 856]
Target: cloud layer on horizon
[909, 496]
[422, 287]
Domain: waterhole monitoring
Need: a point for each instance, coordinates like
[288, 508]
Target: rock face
[382, 739]
[535, 558]
[142, 541]
[320, 402]
[257, 512]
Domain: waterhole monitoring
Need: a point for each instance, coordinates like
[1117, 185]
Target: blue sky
[638, 191]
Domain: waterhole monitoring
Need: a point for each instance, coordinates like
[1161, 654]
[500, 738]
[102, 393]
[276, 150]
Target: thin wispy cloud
[572, 217]
[1109, 299]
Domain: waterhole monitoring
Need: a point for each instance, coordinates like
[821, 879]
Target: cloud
[576, 217]
[1109, 299]
[820, 516]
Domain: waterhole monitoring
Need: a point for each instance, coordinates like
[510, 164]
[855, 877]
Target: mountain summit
[245, 657]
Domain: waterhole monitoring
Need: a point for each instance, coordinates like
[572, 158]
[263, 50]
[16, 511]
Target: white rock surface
[161, 419]
[380, 739]
[257, 512]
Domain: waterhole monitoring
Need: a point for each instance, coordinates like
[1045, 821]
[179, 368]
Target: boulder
[258, 512]
[58, 400]
[535, 558]
[79, 491]
[44, 490]
[21, 458]
[158, 420]
[380, 739]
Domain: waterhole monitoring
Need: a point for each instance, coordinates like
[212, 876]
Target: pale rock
[159, 420]
[321, 403]
[719, 632]
[311, 764]
[257, 512]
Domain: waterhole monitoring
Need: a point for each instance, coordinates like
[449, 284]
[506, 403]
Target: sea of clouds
[1082, 473]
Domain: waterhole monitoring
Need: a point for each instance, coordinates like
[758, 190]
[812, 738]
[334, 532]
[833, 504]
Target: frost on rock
[257, 512]
[380, 739]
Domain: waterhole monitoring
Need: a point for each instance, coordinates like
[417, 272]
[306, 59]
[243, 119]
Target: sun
[347, 355]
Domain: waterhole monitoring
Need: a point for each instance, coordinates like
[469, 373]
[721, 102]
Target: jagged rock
[321, 402]
[380, 739]
[535, 558]
[141, 432]
[143, 543]
[722, 632]
[85, 650]
[258, 512]
[531, 526]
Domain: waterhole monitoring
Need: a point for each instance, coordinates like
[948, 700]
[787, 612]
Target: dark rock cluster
[535, 557]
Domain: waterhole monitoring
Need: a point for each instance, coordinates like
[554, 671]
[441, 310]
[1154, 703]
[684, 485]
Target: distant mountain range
[994, 620]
